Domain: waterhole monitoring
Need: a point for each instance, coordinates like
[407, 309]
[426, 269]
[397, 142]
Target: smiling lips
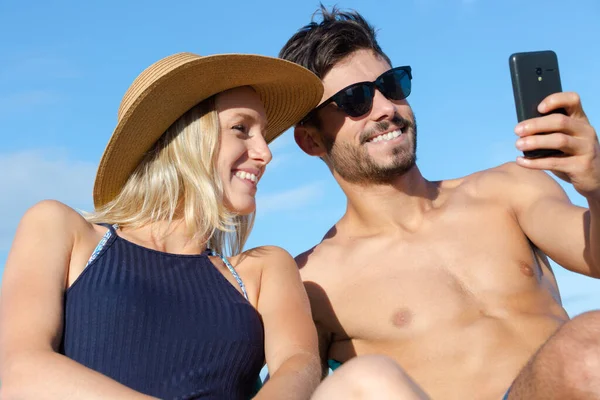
[384, 137]
[248, 176]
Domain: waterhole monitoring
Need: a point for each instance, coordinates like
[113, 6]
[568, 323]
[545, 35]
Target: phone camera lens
[538, 71]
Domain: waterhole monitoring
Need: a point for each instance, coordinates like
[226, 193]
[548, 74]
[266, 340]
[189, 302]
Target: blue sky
[66, 64]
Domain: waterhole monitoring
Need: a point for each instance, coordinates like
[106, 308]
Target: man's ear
[309, 140]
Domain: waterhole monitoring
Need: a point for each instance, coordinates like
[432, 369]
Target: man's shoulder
[302, 258]
[312, 257]
[496, 173]
[501, 180]
[511, 171]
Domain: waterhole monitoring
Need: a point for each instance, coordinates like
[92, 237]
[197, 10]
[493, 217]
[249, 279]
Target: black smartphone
[534, 76]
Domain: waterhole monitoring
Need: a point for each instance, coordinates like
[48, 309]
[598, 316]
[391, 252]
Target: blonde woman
[151, 296]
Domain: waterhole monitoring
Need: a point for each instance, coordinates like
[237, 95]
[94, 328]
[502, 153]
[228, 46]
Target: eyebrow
[254, 116]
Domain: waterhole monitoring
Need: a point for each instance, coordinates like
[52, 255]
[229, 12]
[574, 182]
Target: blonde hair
[179, 176]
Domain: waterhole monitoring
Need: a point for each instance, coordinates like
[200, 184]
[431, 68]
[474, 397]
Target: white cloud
[282, 149]
[32, 71]
[23, 101]
[33, 175]
[283, 142]
[278, 161]
[38, 67]
[292, 199]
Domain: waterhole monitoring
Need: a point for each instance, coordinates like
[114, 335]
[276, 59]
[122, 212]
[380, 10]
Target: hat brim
[287, 90]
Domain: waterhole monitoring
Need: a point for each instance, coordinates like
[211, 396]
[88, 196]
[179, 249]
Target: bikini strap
[103, 241]
[232, 270]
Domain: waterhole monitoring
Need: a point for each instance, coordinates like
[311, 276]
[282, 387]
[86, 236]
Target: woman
[135, 300]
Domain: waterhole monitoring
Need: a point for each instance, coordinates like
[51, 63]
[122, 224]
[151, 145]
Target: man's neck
[386, 207]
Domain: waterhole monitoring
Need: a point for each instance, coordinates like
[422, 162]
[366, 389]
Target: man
[469, 315]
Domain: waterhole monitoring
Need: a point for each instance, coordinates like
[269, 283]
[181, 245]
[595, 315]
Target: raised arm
[549, 219]
[570, 235]
[31, 314]
[290, 336]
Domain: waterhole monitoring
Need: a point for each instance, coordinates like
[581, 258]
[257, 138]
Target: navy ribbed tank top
[170, 326]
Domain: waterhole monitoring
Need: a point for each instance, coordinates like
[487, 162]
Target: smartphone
[534, 76]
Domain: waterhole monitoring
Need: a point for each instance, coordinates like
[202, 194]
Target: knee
[581, 334]
[579, 353]
[375, 367]
[581, 371]
[590, 319]
[380, 374]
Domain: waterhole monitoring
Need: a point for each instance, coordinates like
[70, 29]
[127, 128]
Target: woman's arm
[290, 335]
[31, 313]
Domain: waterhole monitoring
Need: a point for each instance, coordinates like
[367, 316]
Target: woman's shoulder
[54, 213]
[52, 218]
[49, 230]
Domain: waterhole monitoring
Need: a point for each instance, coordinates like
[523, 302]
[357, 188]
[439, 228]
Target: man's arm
[324, 344]
[549, 219]
[291, 347]
[319, 302]
[568, 234]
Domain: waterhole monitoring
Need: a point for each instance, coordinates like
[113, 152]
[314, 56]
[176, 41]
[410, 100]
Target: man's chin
[383, 174]
[393, 162]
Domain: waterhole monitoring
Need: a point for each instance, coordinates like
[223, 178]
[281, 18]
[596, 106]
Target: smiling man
[470, 316]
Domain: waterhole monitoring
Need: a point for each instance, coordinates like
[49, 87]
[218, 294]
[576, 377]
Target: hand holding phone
[534, 76]
[536, 80]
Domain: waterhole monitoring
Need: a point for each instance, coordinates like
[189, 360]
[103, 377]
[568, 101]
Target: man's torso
[461, 301]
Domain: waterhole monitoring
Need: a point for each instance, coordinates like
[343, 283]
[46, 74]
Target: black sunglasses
[357, 99]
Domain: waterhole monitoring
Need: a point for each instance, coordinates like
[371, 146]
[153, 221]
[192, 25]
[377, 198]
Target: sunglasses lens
[356, 100]
[395, 85]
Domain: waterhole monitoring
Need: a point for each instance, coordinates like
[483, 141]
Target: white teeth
[387, 136]
[246, 175]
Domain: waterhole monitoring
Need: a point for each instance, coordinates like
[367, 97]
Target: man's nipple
[402, 318]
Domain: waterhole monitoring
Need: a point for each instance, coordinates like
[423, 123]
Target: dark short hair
[320, 46]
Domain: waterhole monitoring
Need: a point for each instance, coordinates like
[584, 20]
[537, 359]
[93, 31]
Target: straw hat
[170, 87]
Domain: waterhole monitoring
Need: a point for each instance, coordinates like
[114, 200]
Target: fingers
[574, 168]
[555, 123]
[567, 144]
[549, 163]
[580, 154]
[570, 101]
[572, 134]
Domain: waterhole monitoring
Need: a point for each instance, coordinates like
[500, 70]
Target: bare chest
[453, 272]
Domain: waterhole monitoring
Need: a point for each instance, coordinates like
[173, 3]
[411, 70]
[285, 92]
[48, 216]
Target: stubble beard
[355, 165]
